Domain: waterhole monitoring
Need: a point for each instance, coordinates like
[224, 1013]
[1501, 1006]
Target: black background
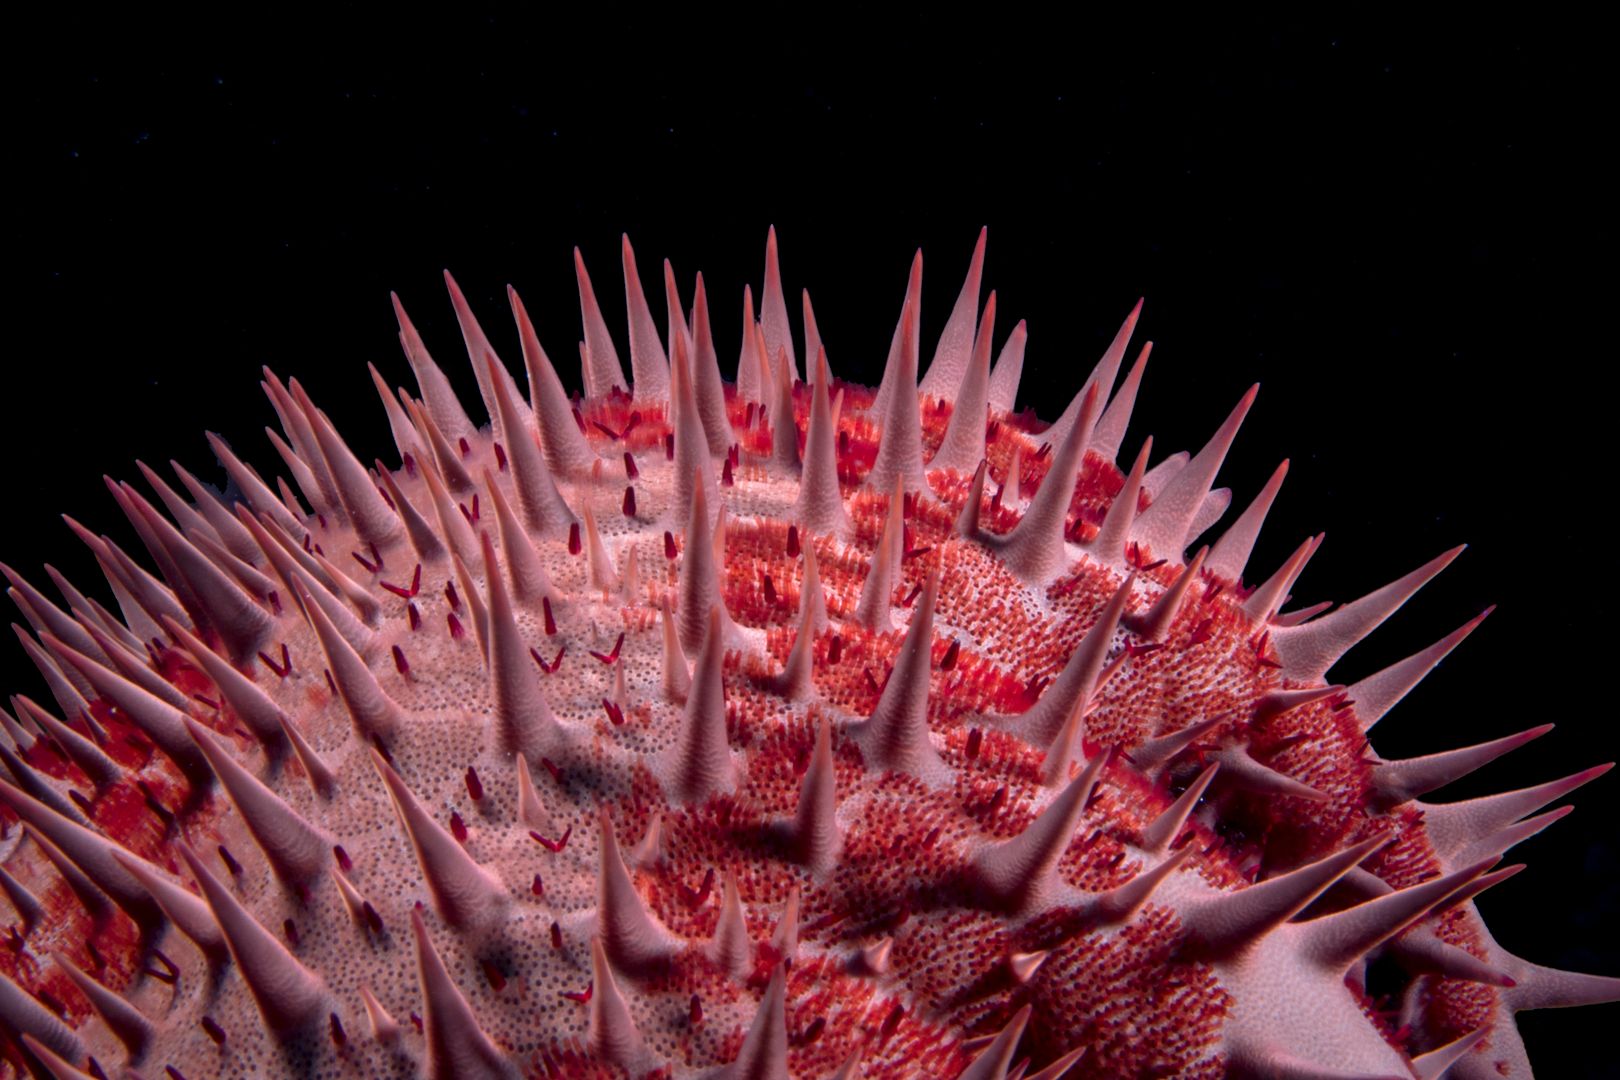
[1384, 226]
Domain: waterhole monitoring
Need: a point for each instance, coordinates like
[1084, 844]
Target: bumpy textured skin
[537, 755]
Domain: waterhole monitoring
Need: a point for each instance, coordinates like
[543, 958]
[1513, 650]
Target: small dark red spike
[404, 593]
[696, 898]
[458, 828]
[630, 470]
[573, 539]
[402, 665]
[629, 502]
[456, 632]
[669, 544]
[891, 1022]
[283, 669]
[610, 657]
[451, 595]
[552, 846]
[475, 787]
[339, 1036]
[230, 862]
[694, 1011]
[793, 542]
[343, 858]
[415, 616]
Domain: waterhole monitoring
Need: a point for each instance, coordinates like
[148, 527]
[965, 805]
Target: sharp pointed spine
[699, 590]
[1231, 552]
[1016, 874]
[602, 369]
[702, 766]
[649, 367]
[529, 580]
[992, 1062]
[1307, 652]
[157, 719]
[123, 1019]
[253, 706]
[899, 456]
[430, 379]
[613, 1034]
[1155, 623]
[524, 718]
[706, 375]
[1459, 829]
[632, 938]
[384, 1028]
[457, 1048]
[814, 827]
[967, 522]
[1399, 781]
[190, 914]
[1338, 940]
[1034, 549]
[910, 308]
[693, 469]
[820, 503]
[795, 680]
[373, 521]
[963, 445]
[872, 609]
[478, 345]
[374, 713]
[1377, 694]
[895, 736]
[566, 451]
[1072, 690]
[764, 1053]
[955, 353]
[295, 849]
[1230, 922]
[90, 758]
[730, 948]
[29, 908]
[1158, 836]
[288, 994]
[91, 852]
[538, 501]
[1009, 370]
[24, 1014]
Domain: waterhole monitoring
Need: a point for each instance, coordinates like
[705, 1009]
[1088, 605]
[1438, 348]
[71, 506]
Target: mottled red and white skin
[778, 729]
